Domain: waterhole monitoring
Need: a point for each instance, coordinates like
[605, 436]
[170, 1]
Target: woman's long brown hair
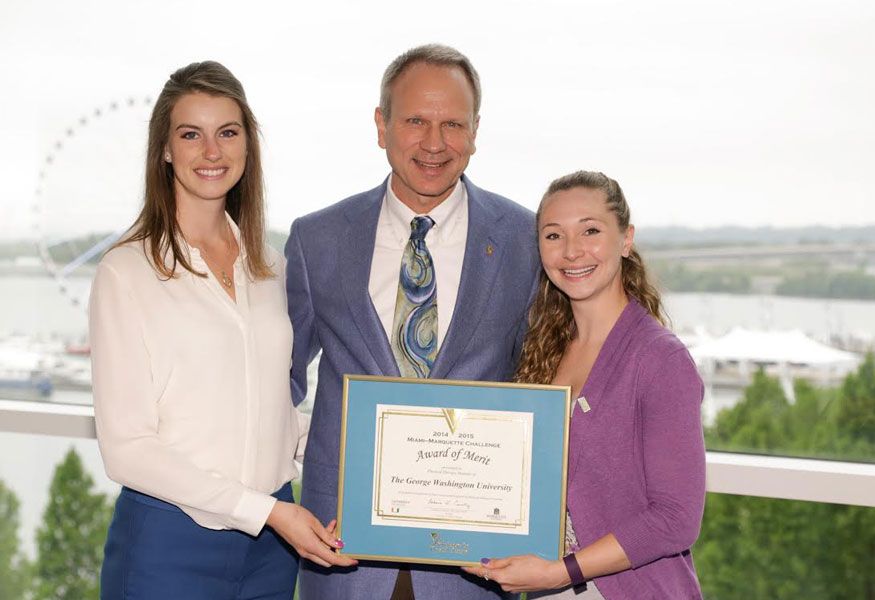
[551, 323]
[157, 226]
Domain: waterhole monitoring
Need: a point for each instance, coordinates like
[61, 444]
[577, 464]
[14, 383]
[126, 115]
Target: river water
[35, 307]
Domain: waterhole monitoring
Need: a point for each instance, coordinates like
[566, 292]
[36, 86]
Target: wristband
[578, 581]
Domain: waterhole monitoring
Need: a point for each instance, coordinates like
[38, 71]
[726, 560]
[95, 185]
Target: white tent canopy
[771, 347]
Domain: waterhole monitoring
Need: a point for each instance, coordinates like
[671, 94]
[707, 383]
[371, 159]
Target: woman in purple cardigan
[636, 461]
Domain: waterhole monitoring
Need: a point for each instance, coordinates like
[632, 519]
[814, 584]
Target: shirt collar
[445, 215]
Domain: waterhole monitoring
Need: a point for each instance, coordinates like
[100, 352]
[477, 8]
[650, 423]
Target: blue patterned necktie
[414, 329]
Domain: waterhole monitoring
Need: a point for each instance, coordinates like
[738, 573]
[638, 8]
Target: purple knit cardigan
[636, 461]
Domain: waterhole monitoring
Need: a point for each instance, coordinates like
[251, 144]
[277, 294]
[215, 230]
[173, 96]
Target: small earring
[167, 157]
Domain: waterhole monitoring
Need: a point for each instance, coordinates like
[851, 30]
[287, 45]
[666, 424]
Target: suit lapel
[484, 251]
[357, 252]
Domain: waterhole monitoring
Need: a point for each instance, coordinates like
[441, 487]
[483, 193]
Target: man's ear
[381, 127]
[474, 134]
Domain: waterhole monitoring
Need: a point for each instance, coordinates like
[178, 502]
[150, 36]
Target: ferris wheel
[89, 189]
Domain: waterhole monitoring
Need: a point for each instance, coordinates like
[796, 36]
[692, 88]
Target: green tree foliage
[753, 548]
[70, 539]
[856, 413]
[14, 568]
[759, 421]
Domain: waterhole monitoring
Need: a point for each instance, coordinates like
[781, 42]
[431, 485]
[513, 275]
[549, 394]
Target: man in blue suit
[477, 260]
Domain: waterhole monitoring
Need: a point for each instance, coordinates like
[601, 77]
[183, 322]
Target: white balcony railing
[727, 473]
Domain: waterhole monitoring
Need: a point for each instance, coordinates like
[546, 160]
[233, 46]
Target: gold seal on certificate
[453, 469]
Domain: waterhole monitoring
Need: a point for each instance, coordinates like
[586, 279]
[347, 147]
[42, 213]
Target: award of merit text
[452, 469]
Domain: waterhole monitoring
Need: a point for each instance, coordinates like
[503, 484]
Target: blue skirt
[155, 551]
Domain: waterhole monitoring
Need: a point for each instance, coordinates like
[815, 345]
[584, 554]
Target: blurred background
[740, 131]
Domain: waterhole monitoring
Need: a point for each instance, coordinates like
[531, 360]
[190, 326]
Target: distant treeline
[789, 280]
[676, 277]
[63, 252]
[646, 236]
[721, 236]
[10, 250]
[812, 278]
[852, 285]
[685, 237]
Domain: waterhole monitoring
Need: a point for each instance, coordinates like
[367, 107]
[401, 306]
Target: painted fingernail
[339, 543]
[484, 561]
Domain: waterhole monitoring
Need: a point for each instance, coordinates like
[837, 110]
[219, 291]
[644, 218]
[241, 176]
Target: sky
[708, 113]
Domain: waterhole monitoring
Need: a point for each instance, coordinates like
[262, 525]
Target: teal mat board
[549, 406]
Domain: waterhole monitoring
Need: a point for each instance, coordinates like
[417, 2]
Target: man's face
[429, 135]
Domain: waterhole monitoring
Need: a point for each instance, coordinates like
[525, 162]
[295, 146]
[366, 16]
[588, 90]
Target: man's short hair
[430, 54]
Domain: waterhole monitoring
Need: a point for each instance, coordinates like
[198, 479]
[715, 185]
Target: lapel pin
[489, 250]
[584, 405]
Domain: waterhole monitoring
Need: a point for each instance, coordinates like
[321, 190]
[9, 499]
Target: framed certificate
[449, 472]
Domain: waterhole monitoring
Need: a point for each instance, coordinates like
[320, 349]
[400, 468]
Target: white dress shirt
[445, 241]
[191, 390]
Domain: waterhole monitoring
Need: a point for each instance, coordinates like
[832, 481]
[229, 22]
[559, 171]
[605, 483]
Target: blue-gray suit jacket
[329, 256]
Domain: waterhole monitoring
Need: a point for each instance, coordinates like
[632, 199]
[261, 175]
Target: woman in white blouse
[191, 347]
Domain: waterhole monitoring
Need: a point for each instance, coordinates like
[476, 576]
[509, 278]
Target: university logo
[437, 545]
